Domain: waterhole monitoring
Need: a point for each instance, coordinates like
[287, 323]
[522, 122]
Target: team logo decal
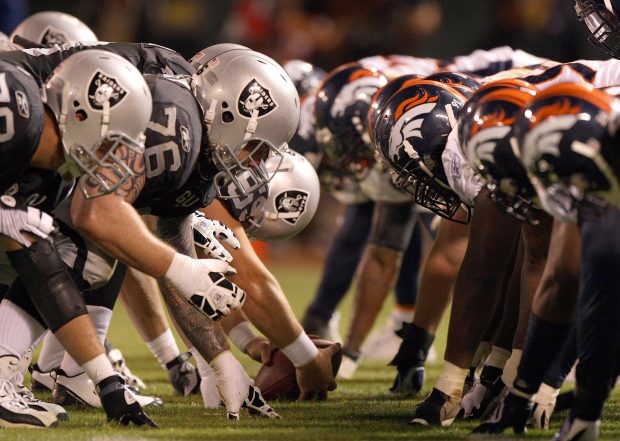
[255, 97]
[409, 117]
[104, 88]
[291, 205]
[53, 36]
[22, 104]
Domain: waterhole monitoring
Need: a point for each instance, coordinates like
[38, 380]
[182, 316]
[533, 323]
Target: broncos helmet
[288, 205]
[341, 112]
[102, 106]
[457, 80]
[250, 109]
[486, 139]
[411, 136]
[306, 77]
[382, 96]
[48, 28]
[602, 17]
[568, 138]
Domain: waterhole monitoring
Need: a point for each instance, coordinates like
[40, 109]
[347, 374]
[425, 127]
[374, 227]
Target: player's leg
[341, 260]
[391, 232]
[493, 236]
[438, 275]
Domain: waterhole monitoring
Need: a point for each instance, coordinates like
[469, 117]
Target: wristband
[302, 351]
[241, 335]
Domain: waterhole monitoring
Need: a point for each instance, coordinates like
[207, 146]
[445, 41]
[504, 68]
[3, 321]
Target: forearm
[116, 227]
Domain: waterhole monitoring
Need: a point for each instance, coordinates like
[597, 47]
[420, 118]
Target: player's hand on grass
[319, 376]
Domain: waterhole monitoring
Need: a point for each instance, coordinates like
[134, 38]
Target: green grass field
[360, 409]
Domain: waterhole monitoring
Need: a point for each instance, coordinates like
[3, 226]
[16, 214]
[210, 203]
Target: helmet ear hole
[80, 115]
[224, 105]
[76, 103]
[227, 117]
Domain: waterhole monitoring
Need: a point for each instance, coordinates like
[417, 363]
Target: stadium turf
[360, 409]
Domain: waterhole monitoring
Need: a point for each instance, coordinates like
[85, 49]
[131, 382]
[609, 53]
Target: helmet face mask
[102, 106]
[603, 24]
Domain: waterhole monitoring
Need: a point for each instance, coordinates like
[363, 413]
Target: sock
[101, 317]
[497, 357]
[482, 351]
[164, 347]
[451, 380]
[51, 353]
[99, 368]
[510, 368]
[401, 314]
[19, 329]
[546, 394]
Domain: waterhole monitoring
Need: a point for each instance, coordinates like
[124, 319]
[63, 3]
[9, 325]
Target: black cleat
[512, 412]
[438, 409]
[119, 403]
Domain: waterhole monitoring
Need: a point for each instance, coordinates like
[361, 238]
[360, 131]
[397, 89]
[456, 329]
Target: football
[278, 381]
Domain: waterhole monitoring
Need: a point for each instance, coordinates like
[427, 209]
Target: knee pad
[49, 283]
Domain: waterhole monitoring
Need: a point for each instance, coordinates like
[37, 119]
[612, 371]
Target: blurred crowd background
[329, 33]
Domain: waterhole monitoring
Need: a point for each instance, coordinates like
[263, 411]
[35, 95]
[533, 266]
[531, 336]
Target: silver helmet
[102, 106]
[289, 204]
[251, 110]
[53, 27]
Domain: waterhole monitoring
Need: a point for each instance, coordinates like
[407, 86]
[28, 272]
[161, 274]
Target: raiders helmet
[287, 206]
[102, 106]
[251, 110]
[48, 28]
[411, 135]
[602, 17]
[568, 138]
[341, 112]
[486, 139]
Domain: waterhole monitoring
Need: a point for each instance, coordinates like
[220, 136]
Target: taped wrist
[241, 335]
[49, 284]
[302, 351]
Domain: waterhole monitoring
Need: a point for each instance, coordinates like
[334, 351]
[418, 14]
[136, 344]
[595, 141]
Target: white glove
[14, 222]
[208, 233]
[202, 282]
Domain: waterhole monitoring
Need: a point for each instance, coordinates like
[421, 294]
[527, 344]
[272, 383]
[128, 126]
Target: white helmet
[288, 206]
[51, 27]
[249, 101]
[102, 106]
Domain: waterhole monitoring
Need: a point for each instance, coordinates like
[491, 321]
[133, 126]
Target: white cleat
[15, 412]
[34, 403]
[79, 390]
[348, 367]
[578, 430]
[42, 381]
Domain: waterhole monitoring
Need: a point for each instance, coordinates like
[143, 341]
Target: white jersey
[461, 176]
[393, 66]
[597, 73]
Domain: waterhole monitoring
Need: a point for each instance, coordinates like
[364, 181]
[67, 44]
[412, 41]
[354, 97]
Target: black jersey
[21, 122]
[148, 58]
[40, 188]
[172, 148]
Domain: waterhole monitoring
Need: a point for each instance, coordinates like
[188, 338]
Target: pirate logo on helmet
[255, 97]
[104, 88]
[291, 204]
